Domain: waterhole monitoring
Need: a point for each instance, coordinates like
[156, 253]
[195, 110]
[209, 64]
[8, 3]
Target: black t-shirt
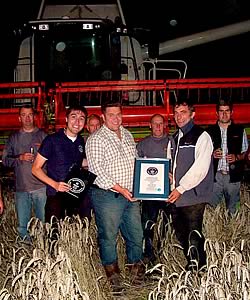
[61, 154]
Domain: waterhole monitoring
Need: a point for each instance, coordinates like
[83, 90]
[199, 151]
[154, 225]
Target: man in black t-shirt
[61, 151]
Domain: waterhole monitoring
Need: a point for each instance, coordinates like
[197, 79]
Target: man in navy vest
[230, 144]
[192, 183]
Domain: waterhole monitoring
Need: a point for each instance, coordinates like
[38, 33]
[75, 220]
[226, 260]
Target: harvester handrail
[110, 83]
[23, 84]
[208, 80]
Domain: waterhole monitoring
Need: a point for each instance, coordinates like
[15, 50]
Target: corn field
[72, 271]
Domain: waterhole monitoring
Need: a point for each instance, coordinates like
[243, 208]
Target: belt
[223, 172]
[108, 191]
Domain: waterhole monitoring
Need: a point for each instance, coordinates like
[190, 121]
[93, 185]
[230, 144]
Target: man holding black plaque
[156, 145]
[192, 183]
[111, 153]
[64, 154]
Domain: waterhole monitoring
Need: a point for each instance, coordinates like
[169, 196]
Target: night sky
[166, 20]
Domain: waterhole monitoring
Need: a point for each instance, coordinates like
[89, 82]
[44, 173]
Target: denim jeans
[229, 190]
[25, 201]
[113, 212]
[187, 223]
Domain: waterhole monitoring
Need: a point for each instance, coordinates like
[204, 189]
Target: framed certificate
[151, 181]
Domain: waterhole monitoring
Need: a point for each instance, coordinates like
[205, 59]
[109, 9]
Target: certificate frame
[151, 180]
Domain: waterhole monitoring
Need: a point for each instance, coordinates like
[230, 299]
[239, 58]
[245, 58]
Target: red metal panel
[206, 113]
[140, 115]
[208, 80]
[133, 115]
[10, 91]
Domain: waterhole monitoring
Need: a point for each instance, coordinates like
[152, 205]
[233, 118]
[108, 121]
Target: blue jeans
[24, 203]
[113, 212]
[229, 190]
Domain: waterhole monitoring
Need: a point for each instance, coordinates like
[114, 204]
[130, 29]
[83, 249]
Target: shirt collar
[186, 128]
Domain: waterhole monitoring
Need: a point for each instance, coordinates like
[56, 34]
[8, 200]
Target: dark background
[228, 57]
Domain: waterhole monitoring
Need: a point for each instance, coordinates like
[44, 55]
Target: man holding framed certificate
[192, 183]
[111, 153]
[149, 182]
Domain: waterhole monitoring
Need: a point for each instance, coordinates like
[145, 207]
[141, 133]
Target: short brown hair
[29, 106]
[107, 104]
[224, 102]
[76, 107]
[185, 102]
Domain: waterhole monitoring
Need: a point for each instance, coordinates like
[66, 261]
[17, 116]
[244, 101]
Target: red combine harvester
[85, 54]
[154, 96]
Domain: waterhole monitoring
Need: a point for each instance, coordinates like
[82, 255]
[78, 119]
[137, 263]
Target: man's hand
[174, 196]
[231, 158]
[126, 193]
[62, 186]
[27, 156]
[218, 153]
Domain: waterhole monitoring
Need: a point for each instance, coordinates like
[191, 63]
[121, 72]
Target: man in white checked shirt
[111, 153]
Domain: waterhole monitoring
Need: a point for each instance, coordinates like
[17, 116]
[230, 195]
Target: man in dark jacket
[230, 145]
[192, 183]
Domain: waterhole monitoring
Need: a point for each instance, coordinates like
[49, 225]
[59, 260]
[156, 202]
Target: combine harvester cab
[79, 43]
[76, 46]
[85, 54]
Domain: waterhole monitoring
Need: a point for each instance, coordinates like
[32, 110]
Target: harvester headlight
[87, 26]
[43, 27]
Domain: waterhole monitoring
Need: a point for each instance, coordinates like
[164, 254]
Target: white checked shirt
[110, 158]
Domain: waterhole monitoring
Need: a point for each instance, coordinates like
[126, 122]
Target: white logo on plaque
[77, 185]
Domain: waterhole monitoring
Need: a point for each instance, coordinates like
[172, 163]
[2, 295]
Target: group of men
[205, 165]
[41, 163]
